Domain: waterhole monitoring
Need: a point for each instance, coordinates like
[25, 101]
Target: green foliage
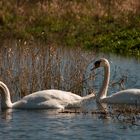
[120, 41]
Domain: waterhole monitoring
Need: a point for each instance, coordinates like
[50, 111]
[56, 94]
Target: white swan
[129, 96]
[45, 99]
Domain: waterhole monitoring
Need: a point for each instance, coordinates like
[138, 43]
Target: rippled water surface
[49, 124]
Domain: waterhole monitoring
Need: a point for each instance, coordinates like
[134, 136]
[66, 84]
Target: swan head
[102, 62]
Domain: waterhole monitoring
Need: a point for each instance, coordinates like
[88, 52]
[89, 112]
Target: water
[50, 124]
[17, 71]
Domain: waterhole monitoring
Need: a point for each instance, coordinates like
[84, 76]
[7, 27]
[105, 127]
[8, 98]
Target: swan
[45, 99]
[128, 96]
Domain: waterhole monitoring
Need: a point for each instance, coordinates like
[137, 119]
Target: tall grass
[28, 67]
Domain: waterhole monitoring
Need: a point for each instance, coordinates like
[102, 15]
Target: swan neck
[88, 97]
[104, 88]
[5, 96]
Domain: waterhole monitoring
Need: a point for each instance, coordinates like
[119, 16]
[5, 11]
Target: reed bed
[27, 67]
[31, 66]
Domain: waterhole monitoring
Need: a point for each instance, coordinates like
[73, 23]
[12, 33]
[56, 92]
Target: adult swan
[129, 96]
[45, 99]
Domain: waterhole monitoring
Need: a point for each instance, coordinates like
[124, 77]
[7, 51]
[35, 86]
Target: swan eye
[97, 63]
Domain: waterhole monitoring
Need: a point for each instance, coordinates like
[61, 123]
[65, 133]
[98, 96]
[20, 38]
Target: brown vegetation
[29, 67]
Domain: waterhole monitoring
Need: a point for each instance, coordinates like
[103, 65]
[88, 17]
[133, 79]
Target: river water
[58, 124]
[49, 124]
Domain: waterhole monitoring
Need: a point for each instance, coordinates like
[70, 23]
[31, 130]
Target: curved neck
[5, 96]
[103, 91]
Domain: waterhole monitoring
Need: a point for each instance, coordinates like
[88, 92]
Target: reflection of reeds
[28, 67]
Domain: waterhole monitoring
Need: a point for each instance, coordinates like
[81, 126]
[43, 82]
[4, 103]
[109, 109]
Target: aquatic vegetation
[27, 67]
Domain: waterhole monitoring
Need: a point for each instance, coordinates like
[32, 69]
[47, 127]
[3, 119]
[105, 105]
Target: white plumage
[129, 96]
[45, 99]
